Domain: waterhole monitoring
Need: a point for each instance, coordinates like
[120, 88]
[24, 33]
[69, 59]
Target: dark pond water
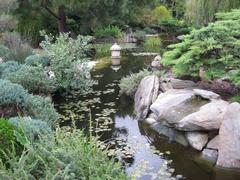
[145, 153]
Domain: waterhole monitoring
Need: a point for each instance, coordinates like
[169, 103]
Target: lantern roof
[115, 47]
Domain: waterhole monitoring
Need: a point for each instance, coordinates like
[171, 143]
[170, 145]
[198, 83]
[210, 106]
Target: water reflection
[144, 151]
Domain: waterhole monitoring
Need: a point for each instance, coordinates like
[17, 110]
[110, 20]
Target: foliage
[129, 84]
[8, 67]
[214, 48]
[201, 12]
[177, 27]
[149, 30]
[68, 155]
[4, 51]
[7, 137]
[33, 79]
[161, 14]
[139, 35]
[32, 128]
[109, 31]
[68, 60]
[41, 108]
[37, 60]
[152, 44]
[18, 48]
[102, 50]
[7, 21]
[11, 93]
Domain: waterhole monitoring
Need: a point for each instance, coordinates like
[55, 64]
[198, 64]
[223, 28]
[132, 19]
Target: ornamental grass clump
[7, 138]
[68, 154]
[129, 84]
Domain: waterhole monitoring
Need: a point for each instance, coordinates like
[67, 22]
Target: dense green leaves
[34, 79]
[11, 93]
[68, 60]
[41, 108]
[214, 48]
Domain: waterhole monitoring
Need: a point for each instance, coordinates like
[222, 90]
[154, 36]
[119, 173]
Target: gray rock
[146, 94]
[206, 94]
[182, 84]
[213, 144]
[150, 121]
[197, 140]
[180, 37]
[158, 58]
[170, 133]
[170, 99]
[209, 117]
[210, 155]
[1, 60]
[229, 138]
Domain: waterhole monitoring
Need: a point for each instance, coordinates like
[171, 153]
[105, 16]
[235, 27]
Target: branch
[51, 12]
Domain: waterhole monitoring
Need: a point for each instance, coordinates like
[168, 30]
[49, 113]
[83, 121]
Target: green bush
[8, 67]
[149, 30]
[102, 50]
[215, 48]
[109, 31]
[11, 93]
[174, 26]
[19, 49]
[68, 61]
[7, 138]
[68, 155]
[33, 79]
[32, 128]
[162, 14]
[37, 60]
[153, 44]
[41, 108]
[129, 84]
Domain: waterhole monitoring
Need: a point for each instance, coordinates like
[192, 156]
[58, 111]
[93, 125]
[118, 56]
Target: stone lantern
[116, 54]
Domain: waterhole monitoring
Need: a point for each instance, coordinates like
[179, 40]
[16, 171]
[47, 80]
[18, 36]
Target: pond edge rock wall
[191, 116]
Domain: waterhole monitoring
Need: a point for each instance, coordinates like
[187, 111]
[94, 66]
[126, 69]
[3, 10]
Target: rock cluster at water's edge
[188, 115]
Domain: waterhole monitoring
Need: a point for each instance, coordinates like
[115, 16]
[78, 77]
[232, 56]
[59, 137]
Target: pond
[145, 153]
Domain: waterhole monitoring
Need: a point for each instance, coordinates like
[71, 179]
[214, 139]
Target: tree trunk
[62, 19]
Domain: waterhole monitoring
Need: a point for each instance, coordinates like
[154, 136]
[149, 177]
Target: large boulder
[206, 94]
[210, 155]
[209, 117]
[229, 138]
[182, 84]
[213, 144]
[197, 140]
[172, 134]
[146, 94]
[168, 100]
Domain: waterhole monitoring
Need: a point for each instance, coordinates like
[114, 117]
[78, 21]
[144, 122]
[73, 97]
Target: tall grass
[153, 44]
[66, 155]
[18, 48]
[102, 50]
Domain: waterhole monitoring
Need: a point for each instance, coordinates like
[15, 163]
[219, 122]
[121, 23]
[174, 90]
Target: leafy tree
[215, 49]
[91, 14]
[200, 12]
